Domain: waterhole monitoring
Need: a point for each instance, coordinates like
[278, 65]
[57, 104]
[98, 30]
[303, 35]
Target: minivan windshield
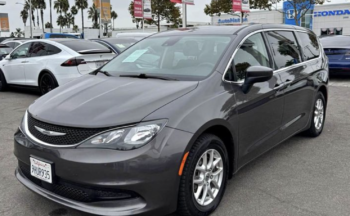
[180, 57]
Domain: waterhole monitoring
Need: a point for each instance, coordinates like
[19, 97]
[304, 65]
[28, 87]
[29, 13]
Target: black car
[117, 45]
[4, 51]
[165, 124]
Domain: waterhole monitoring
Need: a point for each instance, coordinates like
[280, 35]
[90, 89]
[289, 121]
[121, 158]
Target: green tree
[114, 16]
[75, 29]
[301, 7]
[48, 25]
[24, 16]
[162, 10]
[61, 21]
[61, 6]
[74, 12]
[94, 15]
[18, 32]
[69, 19]
[82, 5]
[27, 8]
[41, 5]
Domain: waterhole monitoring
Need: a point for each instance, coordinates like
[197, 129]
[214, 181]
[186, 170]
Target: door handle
[24, 61]
[278, 86]
[287, 82]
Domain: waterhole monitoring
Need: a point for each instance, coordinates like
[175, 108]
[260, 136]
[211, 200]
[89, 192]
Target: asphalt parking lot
[302, 176]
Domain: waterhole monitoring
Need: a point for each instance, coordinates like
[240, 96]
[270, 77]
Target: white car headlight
[126, 138]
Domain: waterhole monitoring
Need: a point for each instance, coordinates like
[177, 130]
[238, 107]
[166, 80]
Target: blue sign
[232, 20]
[331, 13]
[290, 12]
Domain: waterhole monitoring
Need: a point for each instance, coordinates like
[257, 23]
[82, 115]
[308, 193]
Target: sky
[195, 13]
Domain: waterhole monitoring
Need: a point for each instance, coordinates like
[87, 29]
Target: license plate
[100, 64]
[41, 170]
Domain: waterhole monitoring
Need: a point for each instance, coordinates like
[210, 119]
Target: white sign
[188, 2]
[147, 9]
[245, 6]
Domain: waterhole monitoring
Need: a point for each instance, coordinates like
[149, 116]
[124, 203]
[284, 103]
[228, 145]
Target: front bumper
[149, 173]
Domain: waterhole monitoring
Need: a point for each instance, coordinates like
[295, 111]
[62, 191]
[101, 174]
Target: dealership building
[322, 19]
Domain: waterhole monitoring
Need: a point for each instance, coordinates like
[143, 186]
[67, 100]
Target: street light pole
[30, 18]
[100, 19]
[184, 14]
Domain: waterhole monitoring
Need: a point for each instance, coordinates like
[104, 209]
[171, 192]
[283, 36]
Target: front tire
[318, 116]
[3, 83]
[204, 177]
[47, 83]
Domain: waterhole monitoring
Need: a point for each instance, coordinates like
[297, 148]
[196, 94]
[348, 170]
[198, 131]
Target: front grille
[78, 192]
[73, 135]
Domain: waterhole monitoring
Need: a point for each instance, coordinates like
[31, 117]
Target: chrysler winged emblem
[49, 133]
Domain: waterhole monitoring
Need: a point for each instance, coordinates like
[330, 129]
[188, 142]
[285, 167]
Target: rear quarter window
[309, 45]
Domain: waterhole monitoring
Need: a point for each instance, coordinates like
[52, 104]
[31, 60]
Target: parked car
[58, 35]
[4, 51]
[337, 48]
[11, 39]
[15, 43]
[117, 45]
[46, 64]
[165, 124]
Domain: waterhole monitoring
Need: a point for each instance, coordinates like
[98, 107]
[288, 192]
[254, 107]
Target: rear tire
[3, 83]
[202, 183]
[47, 83]
[318, 116]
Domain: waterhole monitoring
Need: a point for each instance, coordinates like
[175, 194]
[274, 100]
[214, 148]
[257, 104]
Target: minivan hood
[101, 101]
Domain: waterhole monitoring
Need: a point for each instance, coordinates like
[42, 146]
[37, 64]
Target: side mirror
[8, 57]
[256, 74]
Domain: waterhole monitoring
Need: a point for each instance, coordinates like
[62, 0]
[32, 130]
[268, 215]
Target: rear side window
[85, 47]
[284, 47]
[309, 44]
[253, 52]
[43, 49]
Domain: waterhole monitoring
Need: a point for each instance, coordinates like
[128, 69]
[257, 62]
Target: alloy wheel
[47, 84]
[208, 177]
[319, 114]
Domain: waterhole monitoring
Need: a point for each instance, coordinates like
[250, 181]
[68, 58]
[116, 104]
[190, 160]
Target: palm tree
[24, 16]
[75, 28]
[41, 4]
[114, 16]
[82, 5]
[50, 2]
[61, 6]
[18, 32]
[74, 11]
[94, 15]
[61, 21]
[69, 19]
[27, 8]
[48, 25]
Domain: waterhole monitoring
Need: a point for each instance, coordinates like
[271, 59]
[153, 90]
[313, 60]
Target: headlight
[126, 138]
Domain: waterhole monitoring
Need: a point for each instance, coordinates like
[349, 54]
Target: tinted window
[21, 51]
[62, 36]
[309, 44]
[83, 46]
[5, 50]
[284, 47]
[181, 57]
[15, 44]
[253, 52]
[10, 44]
[43, 49]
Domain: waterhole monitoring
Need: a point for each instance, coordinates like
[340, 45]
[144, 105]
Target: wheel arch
[223, 130]
[43, 72]
[324, 91]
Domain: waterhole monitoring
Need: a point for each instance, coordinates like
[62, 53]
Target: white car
[15, 43]
[47, 64]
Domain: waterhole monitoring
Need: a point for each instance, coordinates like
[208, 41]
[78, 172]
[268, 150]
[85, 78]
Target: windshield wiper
[145, 76]
[103, 72]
